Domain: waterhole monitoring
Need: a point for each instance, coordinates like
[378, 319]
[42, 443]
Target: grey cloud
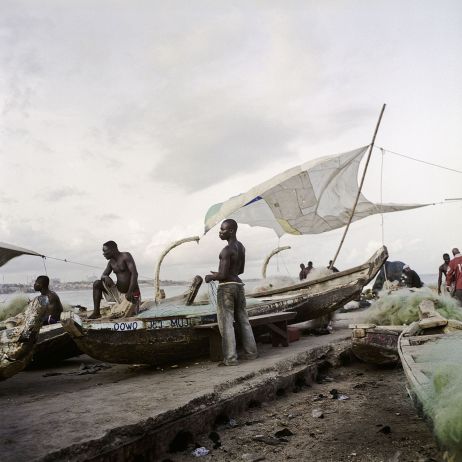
[110, 217]
[222, 147]
[109, 162]
[4, 199]
[63, 193]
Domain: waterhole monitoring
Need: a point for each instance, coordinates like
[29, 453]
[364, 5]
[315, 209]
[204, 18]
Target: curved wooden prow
[161, 258]
[267, 259]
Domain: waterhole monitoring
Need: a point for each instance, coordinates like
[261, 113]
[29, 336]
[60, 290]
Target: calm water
[84, 297]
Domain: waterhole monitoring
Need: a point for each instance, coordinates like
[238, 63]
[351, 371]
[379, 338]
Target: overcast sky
[126, 120]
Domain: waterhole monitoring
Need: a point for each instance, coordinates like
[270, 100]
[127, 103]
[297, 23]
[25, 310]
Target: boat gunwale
[330, 277]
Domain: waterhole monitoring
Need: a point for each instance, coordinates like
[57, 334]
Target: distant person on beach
[231, 297]
[443, 269]
[333, 268]
[454, 275]
[412, 278]
[124, 267]
[302, 274]
[54, 307]
[390, 271]
[308, 269]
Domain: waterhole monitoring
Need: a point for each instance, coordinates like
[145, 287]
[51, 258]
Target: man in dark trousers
[54, 306]
[231, 297]
[302, 274]
[412, 278]
[454, 275]
[124, 267]
[443, 269]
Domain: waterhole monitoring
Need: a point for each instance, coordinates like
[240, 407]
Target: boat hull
[53, 345]
[133, 341]
[376, 345]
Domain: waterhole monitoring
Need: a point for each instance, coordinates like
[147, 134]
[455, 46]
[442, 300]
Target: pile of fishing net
[275, 282]
[444, 399]
[401, 307]
[15, 306]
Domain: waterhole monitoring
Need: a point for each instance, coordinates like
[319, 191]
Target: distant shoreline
[74, 285]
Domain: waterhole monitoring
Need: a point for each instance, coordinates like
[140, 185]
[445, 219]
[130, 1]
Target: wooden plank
[427, 309]
[271, 318]
[257, 320]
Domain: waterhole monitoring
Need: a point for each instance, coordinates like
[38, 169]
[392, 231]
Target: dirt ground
[376, 423]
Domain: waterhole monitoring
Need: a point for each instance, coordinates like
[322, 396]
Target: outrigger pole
[162, 256]
[360, 187]
[267, 259]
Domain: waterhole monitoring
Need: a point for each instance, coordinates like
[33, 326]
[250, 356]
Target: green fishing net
[401, 307]
[15, 306]
[443, 398]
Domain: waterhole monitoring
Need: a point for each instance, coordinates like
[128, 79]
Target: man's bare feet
[94, 315]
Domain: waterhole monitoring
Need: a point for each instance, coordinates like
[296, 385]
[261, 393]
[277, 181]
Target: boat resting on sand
[421, 350]
[53, 345]
[319, 297]
[166, 334]
[17, 344]
[375, 344]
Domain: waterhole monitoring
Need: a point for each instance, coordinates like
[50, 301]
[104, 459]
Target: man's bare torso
[236, 254]
[120, 267]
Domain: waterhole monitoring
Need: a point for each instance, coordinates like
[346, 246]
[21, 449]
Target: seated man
[333, 268]
[124, 267]
[54, 307]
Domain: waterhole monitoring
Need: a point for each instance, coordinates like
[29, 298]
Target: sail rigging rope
[44, 264]
[381, 214]
[419, 160]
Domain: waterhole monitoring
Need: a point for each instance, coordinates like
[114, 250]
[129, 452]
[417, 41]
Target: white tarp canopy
[312, 198]
[8, 251]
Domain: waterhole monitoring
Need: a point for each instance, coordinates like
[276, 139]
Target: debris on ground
[371, 426]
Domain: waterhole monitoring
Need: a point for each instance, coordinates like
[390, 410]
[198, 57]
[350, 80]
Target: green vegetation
[401, 307]
[13, 307]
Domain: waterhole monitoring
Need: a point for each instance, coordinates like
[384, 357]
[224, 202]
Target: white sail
[8, 251]
[311, 198]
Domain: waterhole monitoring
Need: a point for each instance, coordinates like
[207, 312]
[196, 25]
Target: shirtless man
[124, 267]
[443, 269]
[54, 307]
[231, 297]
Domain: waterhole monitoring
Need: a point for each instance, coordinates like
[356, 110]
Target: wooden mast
[360, 187]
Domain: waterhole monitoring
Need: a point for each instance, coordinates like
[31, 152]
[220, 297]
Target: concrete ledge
[126, 413]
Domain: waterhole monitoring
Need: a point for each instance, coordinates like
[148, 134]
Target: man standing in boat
[124, 267]
[54, 307]
[231, 297]
[443, 269]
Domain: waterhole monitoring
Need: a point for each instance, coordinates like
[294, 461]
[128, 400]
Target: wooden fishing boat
[375, 344]
[432, 329]
[53, 345]
[167, 334]
[319, 297]
[17, 344]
